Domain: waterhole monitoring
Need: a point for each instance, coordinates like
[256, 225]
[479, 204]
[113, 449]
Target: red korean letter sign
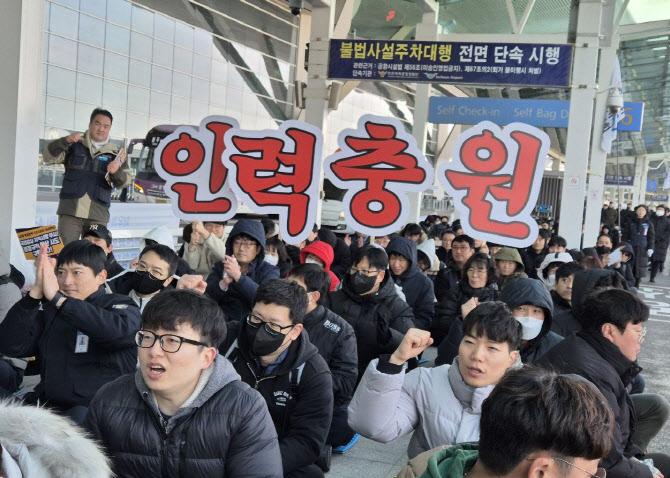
[278, 172]
[378, 163]
[189, 160]
[495, 178]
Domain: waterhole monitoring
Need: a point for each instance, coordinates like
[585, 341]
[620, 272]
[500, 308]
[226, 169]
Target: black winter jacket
[298, 393]
[560, 304]
[532, 260]
[598, 360]
[236, 300]
[661, 237]
[532, 292]
[416, 286]
[625, 269]
[369, 313]
[342, 254]
[225, 430]
[640, 235]
[448, 310]
[336, 342]
[68, 379]
[112, 267]
[446, 279]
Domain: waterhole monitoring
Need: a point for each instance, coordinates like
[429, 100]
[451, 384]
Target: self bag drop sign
[494, 176]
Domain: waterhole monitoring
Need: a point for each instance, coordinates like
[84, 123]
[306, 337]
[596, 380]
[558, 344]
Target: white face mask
[531, 327]
[272, 260]
[550, 281]
[660, 213]
[312, 261]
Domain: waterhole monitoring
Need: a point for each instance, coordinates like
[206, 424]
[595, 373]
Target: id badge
[81, 346]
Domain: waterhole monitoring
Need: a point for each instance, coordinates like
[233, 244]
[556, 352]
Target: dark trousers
[661, 462]
[70, 228]
[310, 471]
[10, 379]
[656, 266]
[340, 433]
[651, 413]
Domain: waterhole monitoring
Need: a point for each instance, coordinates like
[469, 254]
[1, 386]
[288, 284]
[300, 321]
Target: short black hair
[186, 233]
[448, 231]
[495, 320]
[376, 257]
[464, 238]
[172, 307]
[285, 293]
[81, 252]
[315, 278]
[165, 253]
[268, 225]
[602, 234]
[103, 112]
[567, 269]
[411, 229]
[279, 246]
[481, 259]
[544, 233]
[532, 409]
[613, 306]
[557, 241]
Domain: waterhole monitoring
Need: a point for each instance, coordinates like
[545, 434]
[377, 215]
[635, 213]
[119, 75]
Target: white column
[583, 93]
[317, 92]
[426, 30]
[20, 103]
[640, 184]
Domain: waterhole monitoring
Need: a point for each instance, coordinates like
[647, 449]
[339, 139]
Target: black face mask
[262, 343]
[361, 284]
[602, 250]
[143, 283]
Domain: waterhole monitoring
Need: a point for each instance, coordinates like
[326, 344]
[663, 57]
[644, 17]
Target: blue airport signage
[652, 186]
[452, 62]
[542, 113]
[610, 180]
[658, 198]
[632, 120]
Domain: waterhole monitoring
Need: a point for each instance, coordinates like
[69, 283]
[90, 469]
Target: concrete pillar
[20, 103]
[640, 184]
[580, 124]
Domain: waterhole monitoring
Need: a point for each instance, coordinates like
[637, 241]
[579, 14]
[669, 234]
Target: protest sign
[31, 238]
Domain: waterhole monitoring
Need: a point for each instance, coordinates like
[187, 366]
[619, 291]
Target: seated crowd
[242, 355]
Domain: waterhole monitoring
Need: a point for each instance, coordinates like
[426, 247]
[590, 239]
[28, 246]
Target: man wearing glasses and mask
[369, 302]
[272, 354]
[184, 412]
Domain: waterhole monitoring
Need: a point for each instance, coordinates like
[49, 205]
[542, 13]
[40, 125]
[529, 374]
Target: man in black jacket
[605, 353]
[369, 302]
[661, 241]
[83, 337]
[462, 248]
[271, 352]
[99, 235]
[561, 294]
[336, 342]
[533, 256]
[184, 412]
[416, 286]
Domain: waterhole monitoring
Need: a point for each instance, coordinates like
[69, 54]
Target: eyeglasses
[169, 343]
[477, 272]
[245, 244]
[368, 273]
[641, 334]
[460, 248]
[272, 329]
[141, 270]
[600, 473]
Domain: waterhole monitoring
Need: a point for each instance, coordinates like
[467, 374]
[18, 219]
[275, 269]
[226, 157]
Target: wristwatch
[54, 301]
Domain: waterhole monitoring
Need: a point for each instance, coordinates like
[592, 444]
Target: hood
[551, 258]
[327, 236]
[530, 291]
[627, 248]
[428, 248]
[320, 249]
[583, 285]
[251, 228]
[47, 445]
[5, 270]
[161, 235]
[219, 374]
[406, 248]
[509, 254]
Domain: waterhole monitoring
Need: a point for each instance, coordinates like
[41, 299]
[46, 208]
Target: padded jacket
[223, 429]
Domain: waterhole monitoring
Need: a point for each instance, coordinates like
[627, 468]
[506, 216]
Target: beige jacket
[206, 254]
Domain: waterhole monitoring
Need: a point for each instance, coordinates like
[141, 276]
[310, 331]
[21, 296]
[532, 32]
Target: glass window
[183, 36]
[115, 94]
[200, 90]
[219, 71]
[91, 30]
[160, 105]
[164, 27]
[116, 66]
[143, 20]
[61, 82]
[140, 73]
[44, 78]
[119, 126]
[63, 21]
[254, 61]
[70, 3]
[198, 112]
[137, 126]
[141, 46]
[183, 59]
[60, 113]
[117, 39]
[179, 113]
[163, 53]
[94, 7]
[89, 89]
[249, 103]
[161, 79]
[202, 66]
[139, 99]
[233, 99]
[118, 11]
[90, 59]
[82, 116]
[234, 77]
[202, 42]
[181, 84]
[62, 52]
[217, 94]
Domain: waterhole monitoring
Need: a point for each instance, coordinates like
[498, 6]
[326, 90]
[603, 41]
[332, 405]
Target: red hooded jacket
[323, 251]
